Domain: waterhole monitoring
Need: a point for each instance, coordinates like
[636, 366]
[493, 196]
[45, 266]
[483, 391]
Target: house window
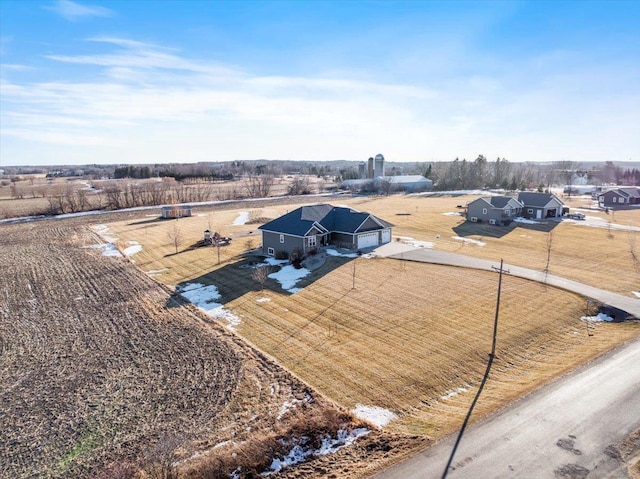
[530, 211]
[281, 238]
[484, 211]
[615, 199]
[311, 241]
[508, 212]
[271, 251]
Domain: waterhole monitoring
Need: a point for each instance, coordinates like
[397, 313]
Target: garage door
[386, 236]
[366, 240]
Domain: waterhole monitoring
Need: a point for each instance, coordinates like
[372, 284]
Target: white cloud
[148, 103]
[73, 11]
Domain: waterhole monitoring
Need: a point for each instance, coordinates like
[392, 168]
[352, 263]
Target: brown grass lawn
[412, 338]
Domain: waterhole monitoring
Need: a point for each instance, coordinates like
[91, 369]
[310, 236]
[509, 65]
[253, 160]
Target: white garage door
[367, 239]
[386, 236]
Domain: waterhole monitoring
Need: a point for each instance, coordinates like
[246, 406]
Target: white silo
[378, 169]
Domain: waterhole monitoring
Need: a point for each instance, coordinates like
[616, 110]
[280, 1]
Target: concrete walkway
[407, 252]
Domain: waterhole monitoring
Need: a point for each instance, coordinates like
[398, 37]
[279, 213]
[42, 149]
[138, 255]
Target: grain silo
[378, 169]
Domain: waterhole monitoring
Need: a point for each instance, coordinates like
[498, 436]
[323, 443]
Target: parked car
[576, 216]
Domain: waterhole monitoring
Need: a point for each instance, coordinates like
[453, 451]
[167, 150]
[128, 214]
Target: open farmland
[411, 338]
[99, 363]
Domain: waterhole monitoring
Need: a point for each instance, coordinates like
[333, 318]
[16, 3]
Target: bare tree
[299, 186]
[249, 244]
[175, 235]
[549, 246]
[260, 275]
[259, 186]
[633, 251]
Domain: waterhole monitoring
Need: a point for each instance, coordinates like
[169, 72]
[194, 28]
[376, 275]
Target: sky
[142, 81]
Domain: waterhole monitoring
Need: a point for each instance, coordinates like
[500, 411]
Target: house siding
[272, 240]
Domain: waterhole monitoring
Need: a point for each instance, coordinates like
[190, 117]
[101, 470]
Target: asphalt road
[566, 430]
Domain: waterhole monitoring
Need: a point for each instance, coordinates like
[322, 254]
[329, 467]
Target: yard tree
[175, 235]
[260, 275]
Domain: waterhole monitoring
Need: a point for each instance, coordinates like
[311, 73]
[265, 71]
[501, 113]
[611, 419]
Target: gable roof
[500, 202]
[326, 217]
[538, 200]
[631, 192]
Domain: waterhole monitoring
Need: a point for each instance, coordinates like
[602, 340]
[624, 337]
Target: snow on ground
[205, 297]
[104, 232]
[636, 293]
[334, 252]
[108, 249]
[271, 261]
[469, 240]
[157, 271]
[420, 244]
[525, 221]
[242, 218]
[263, 300]
[134, 248]
[374, 414]
[597, 319]
[300, 452]
[452, 213]
[288, 276]
[454, 392]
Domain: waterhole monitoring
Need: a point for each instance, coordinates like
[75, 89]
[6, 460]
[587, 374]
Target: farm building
[311, 226]
[176, 211]
[496, 210]
[411, 183]
[619, 197]
[538, 206]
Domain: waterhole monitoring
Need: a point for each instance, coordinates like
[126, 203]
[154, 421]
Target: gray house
[620, 197]
[311, 226]
[538, 206]
[496, 210]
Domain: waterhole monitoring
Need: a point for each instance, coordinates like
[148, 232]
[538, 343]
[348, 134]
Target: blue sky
[141, 81]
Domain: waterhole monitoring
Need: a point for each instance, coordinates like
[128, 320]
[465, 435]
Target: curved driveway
[426, 255]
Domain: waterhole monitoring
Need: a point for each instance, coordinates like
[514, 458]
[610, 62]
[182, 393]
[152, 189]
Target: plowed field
[98, 363]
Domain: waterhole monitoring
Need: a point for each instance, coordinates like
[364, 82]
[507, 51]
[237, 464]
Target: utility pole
[495, 322]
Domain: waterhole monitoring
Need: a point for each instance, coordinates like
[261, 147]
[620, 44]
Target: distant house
[538, 206]
[311, 226]
[176, 211]
[496, 210]
[619, 197]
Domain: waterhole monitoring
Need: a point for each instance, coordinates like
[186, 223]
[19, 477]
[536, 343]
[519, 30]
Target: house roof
[631, 192]
[500, 202]
[331, 218]
[539, 200]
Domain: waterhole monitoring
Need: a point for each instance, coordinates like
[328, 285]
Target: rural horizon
[319, 239]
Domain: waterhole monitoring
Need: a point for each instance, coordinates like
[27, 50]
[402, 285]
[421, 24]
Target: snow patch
[469, 240]
[334, 252]
[454, 392]
[452, 213]
[525, 221]
[636, 293]
[157, 271]
[263, 300]
[205, 298]
[288, 276]
[300, 452]
[601, 317]
[242, 218]
[134, 248]
[108, 249]
[376, 415]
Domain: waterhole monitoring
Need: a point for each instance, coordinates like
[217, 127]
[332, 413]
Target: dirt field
[100, 363]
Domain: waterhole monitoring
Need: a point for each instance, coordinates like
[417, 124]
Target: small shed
[176, 211]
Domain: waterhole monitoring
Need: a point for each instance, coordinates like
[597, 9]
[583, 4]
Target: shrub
[281, 255]
[295, 258]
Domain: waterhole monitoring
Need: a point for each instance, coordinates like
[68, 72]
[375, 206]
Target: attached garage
[386, 236]
[366, 240]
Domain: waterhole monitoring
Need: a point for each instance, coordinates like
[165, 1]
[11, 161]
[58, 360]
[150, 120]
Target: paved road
[625, 303]
[567, 426]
